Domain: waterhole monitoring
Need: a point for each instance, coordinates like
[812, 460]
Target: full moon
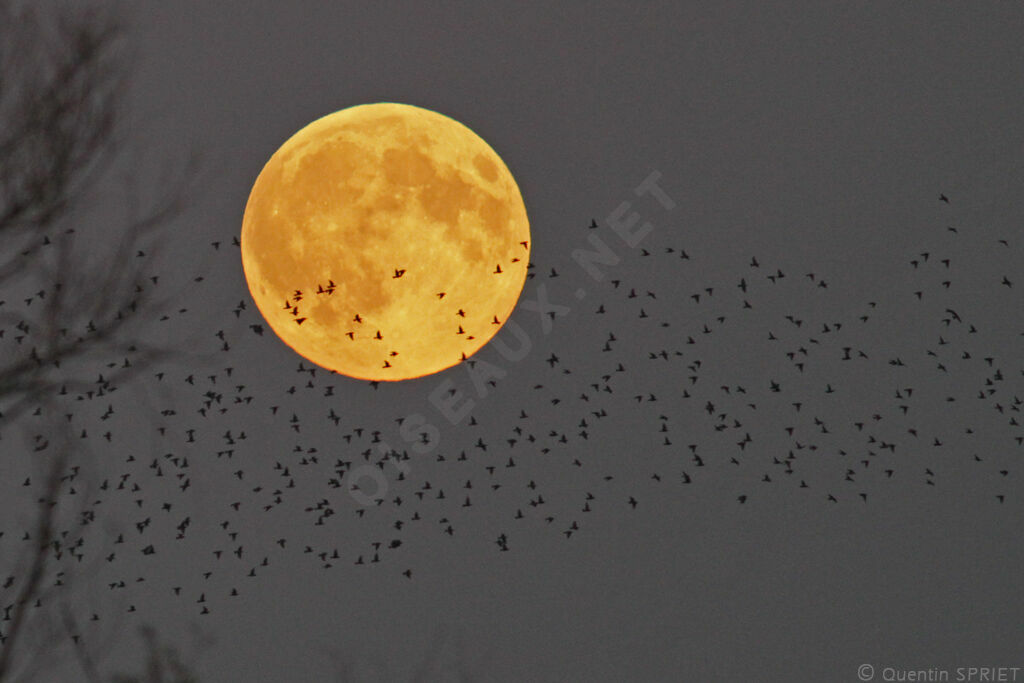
[385, 242]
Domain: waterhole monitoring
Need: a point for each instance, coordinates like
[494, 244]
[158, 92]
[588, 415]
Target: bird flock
[359, 330]
[763, 380]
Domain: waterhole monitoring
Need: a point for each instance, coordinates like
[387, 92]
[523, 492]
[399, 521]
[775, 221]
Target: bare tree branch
[30, 588]
[79, 325]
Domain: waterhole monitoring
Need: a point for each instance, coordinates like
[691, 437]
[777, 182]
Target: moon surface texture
[385, 242]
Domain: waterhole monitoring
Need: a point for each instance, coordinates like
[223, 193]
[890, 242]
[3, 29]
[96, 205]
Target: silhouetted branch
[59, 100]
[85, 660]
[163, 664]
[31, 586]
[81, 324]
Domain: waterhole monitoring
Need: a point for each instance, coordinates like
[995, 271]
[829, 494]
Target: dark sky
[814, 137]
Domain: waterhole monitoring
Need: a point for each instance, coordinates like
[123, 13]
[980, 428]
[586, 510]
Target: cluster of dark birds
[766, 380]
[358, 331]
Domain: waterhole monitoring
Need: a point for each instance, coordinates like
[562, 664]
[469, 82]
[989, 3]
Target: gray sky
[814, 137]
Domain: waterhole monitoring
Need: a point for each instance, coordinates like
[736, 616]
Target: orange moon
[385, 242]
